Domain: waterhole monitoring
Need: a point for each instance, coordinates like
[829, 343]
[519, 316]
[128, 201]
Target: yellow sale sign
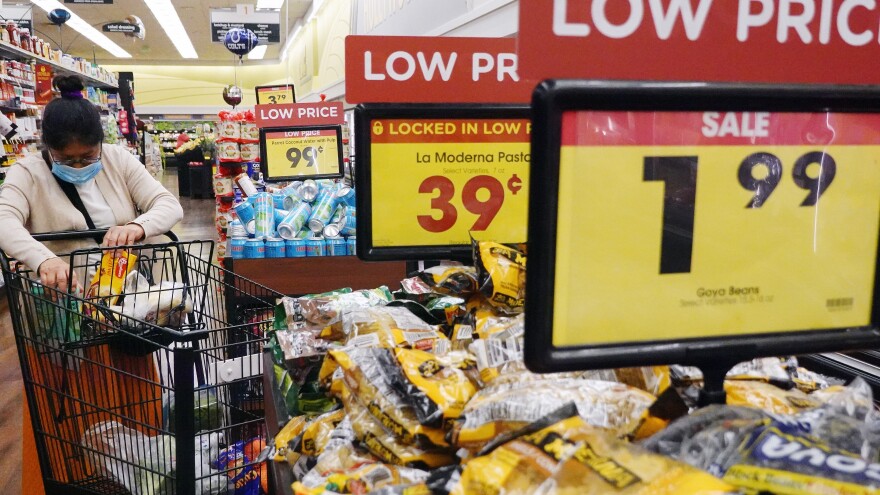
[302, 153]
[275, 95]
[437, 182]
[684, 225]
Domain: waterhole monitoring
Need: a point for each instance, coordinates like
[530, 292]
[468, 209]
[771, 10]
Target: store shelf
[15, 52]
[14, 80]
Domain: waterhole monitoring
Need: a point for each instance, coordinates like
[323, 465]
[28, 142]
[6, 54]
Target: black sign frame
[550, 100]
[275, 87]
[264, 161]
[363, 117]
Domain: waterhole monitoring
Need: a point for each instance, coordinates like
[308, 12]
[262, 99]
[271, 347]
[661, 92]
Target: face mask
[76, 175]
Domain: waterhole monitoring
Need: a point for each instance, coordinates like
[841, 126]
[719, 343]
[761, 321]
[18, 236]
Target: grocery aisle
[197, 223]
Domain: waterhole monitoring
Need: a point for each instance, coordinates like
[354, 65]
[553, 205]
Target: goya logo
[794, 451]
[430, 368]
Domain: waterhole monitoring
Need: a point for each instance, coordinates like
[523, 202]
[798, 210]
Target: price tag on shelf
[275, 95]
[700, 226]
[457, 177]
[301, 153]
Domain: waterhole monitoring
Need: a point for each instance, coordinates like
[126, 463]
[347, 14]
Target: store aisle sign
[266, 25]
[415, 69]
[301, 153]
[295, 114]
[458, 176]
[673, 226]
[120, 27]
[701, 40]
[105, 2]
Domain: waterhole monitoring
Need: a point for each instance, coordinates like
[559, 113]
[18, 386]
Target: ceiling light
[78, 24]
[258, 53]
[164, 12]
[270, 4]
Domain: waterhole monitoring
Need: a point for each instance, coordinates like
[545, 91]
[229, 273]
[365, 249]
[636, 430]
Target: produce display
[424, 391]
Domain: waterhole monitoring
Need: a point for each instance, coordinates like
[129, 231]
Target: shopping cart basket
[139, 393]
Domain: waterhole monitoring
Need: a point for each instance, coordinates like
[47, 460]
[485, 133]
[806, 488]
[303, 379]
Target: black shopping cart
[136, 384]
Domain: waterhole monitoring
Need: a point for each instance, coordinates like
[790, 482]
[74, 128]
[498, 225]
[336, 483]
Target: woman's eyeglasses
[74, 161]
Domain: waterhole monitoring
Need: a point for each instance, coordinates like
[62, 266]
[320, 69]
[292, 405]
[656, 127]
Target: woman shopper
[112, 185]
[78, 183]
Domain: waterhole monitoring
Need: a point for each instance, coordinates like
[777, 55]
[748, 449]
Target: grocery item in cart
[573, 457]
[501, 275]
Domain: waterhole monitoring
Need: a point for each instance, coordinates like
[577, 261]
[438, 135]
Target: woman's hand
[53, 273]
[123, 235]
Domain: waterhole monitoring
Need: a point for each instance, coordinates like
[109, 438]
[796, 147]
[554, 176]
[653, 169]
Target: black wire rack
[137, 382]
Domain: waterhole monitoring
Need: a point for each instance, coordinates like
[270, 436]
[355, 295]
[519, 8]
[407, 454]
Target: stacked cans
[308, 218]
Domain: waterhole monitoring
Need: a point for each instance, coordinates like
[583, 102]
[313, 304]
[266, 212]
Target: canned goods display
[322, 212]
[336, 246]
[228, 152]
[235, 247]
[264, 215]
[221, 249]
[275, 247]
[339, 214]
[291, 199]
[331, 230]
[315, 246]
[254, 248]
[246, 215]
[278, 201]
[236, 229]
[346, 195]
[308, 191]
[351, 245]
[222, 220]
[295, 220]
[222, 185]
[349, 227]
[295, 248]
[246, 185]
[279, 216]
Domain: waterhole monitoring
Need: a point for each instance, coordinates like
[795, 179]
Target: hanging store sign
[701, 40]
[296, 114]
[431, 177]
[266, 25]
[700, 221]
[121, 27]
[104, 2]
[415, 69]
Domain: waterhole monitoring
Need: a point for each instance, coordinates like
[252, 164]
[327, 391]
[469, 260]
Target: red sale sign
[414, 69]
[803, 41]
[299, 114]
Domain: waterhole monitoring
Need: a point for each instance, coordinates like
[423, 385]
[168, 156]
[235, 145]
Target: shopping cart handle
[83, 234]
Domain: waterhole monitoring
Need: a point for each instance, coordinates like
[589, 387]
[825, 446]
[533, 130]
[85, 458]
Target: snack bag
[392, 327]
[385, 446]
[108, 282]
[375, 378]
[501, 274]
[572, 457]
[448, 279]
[365, 479]
[443, 389]
[517, 400]
[317, 433]
[285, 436]
[245, 478]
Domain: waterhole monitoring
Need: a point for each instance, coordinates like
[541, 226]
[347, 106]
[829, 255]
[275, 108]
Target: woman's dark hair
[71, 118]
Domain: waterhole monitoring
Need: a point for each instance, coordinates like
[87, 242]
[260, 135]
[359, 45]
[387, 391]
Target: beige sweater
[31, 201]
